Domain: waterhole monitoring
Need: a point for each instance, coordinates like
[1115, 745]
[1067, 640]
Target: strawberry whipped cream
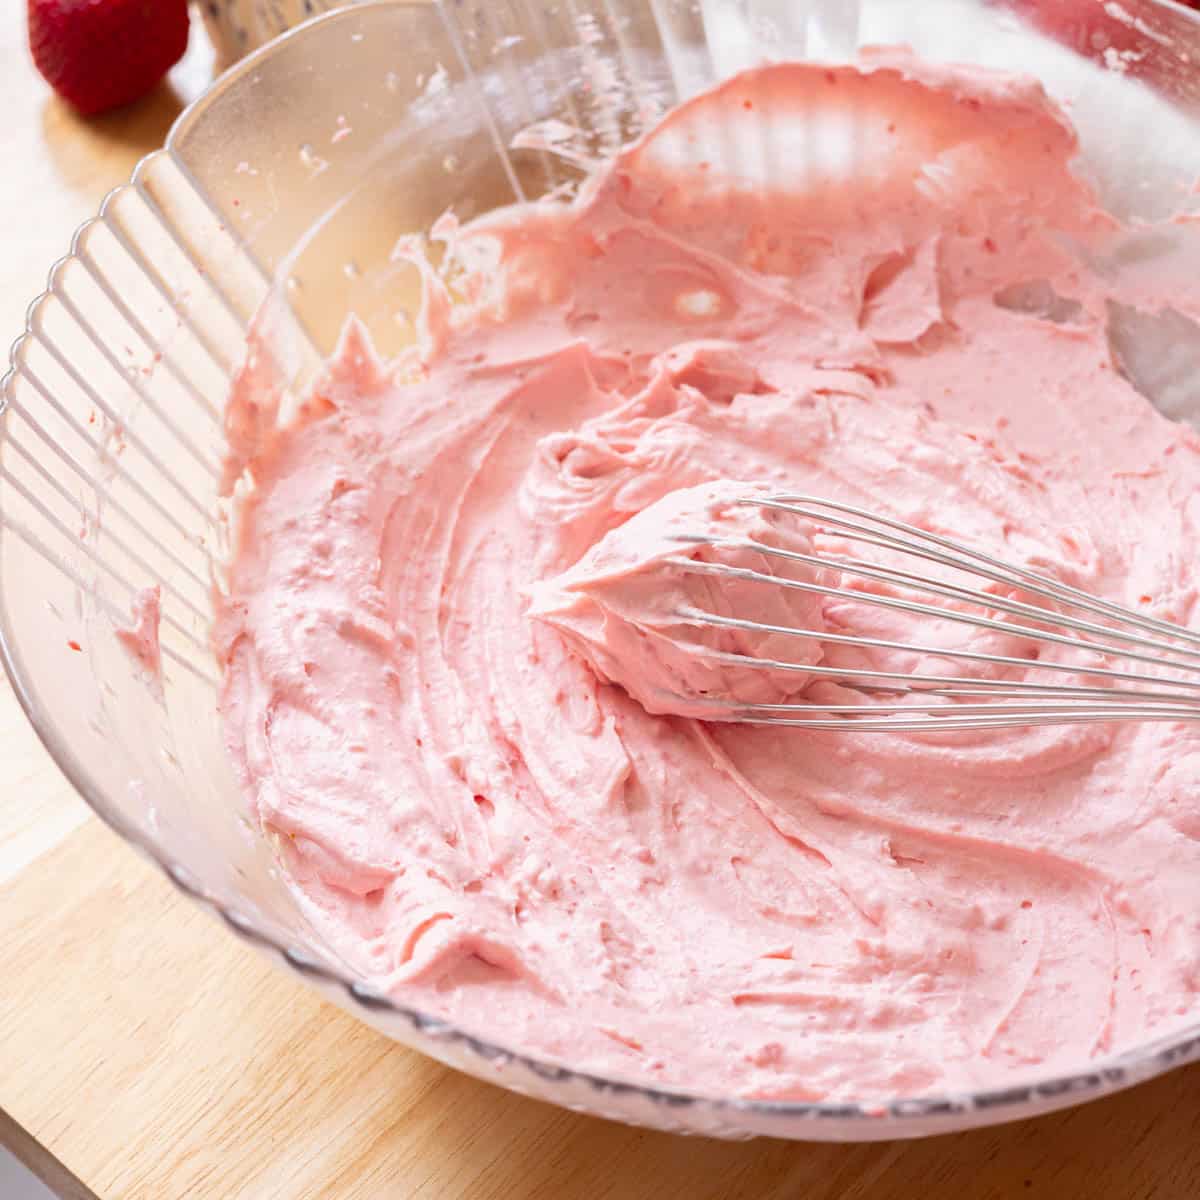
[141, 636]
[448, 627]
[625, 605]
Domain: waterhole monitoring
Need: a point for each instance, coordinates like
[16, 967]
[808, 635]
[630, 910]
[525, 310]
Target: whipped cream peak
[633, 606]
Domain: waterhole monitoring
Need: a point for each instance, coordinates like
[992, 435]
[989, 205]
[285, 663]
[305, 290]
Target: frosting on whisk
[624, 606]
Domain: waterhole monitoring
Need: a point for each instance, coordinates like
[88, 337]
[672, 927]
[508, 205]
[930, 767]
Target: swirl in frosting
[474, 805]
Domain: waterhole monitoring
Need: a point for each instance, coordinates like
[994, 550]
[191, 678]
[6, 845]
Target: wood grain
[40, 1162]
[156, 1057]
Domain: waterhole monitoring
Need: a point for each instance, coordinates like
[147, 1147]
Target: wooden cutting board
[156, 1057]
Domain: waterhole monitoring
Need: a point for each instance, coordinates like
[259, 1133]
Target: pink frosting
[473, 819]
[140, 636]
[625, 605]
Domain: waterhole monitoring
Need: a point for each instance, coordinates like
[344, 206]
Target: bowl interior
[283, 192]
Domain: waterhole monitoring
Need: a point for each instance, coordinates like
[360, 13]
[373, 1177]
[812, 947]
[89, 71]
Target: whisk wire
[977, 562]
[920, 701]
[912, 606]
[906, 677]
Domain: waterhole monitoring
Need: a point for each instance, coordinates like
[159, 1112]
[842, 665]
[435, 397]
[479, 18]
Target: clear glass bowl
[293, 177]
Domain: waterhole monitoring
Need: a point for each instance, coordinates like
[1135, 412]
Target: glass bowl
[292, 179]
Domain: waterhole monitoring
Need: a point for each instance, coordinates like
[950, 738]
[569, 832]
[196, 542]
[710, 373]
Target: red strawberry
[97, 54]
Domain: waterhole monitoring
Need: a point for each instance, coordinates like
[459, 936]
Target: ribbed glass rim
[935, 1113]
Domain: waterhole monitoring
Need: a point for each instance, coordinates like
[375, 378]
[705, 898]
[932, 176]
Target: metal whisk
[1135, 668]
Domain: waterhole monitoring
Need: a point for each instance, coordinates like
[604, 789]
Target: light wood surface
[156, 1057]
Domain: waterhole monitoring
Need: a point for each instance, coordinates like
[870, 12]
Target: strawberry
[98, 54]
